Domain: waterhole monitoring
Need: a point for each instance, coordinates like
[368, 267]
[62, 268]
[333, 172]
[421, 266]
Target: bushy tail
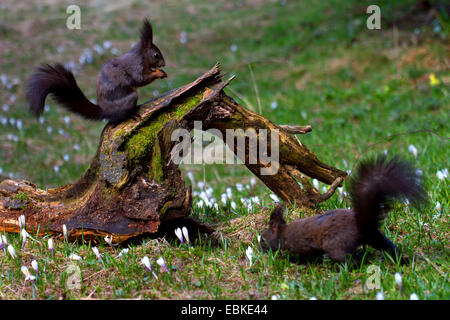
[379, 181]
[60, 83]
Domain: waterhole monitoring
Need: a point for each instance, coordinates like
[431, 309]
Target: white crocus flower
[146, 262]
[341, 193]
[64, 228]
[183, 37]
[229, 193]
[223, 198]
[274, 105]
[442, 174]
[122, 252]
[21, 222]
[398, 279]
[34, 264]
[413, 297]
[2, 244]
[274, 197]
[380, 296]
[97, 253]
[191, 177]
[12, 251]
[74, 256]
[50, 244]
[108, 239]
[28, 275]
[233, 205]
[200, 184]
[413, 150]
[185, 234]
[249, 253]
[316, 183]
[438, 206]
[162, 263]
[179, 234]
[255, 199]
[24, 235]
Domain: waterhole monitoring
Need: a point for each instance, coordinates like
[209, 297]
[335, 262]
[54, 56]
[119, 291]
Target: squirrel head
[153, 57]
[270, 239]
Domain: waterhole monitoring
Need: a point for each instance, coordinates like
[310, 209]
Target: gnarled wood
[132, 186]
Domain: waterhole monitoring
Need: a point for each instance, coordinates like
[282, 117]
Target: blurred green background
[313, 63]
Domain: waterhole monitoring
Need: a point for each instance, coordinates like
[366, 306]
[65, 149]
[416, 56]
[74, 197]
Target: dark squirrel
[338, 233]
[117, 83]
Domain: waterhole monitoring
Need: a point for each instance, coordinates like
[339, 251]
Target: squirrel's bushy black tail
[60, 83]
[379, 181]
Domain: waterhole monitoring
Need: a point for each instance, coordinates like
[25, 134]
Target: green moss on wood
[140, 144]
[156, 170]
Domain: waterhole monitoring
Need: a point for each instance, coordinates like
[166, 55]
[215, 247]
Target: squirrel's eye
[156, 55]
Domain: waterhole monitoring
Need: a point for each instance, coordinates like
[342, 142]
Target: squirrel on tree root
[338, 233]
[117, 83]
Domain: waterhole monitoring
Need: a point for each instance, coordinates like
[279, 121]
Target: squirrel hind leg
[119, 110]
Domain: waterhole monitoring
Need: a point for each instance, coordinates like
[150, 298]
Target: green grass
[363, 92]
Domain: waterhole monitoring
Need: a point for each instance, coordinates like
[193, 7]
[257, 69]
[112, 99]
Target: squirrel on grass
[338, 233]
[117, 83]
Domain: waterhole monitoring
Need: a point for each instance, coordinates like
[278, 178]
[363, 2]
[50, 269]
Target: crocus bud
[122, 252]
[97, 253]
[50, 245]
[64, 228]
[412, 149]
[5, 241]
[22, 221]
[341, 193]
[11, 251]
[146, 262]
[161, 263]
[186, 234]
[34, 264]
[74, 256]
[398, 279]
[249, 253]
[24, 235]
[274, 197]
[179, 234]
[316, 183]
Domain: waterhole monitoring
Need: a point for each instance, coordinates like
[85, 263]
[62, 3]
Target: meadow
[364, 92]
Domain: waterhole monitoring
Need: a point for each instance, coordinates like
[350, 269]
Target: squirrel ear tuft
[277, 216]
[146, 34]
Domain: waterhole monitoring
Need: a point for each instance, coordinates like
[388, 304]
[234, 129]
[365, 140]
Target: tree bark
[133, 186]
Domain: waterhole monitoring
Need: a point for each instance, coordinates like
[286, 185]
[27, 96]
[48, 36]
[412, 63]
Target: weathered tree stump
[133, 187]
